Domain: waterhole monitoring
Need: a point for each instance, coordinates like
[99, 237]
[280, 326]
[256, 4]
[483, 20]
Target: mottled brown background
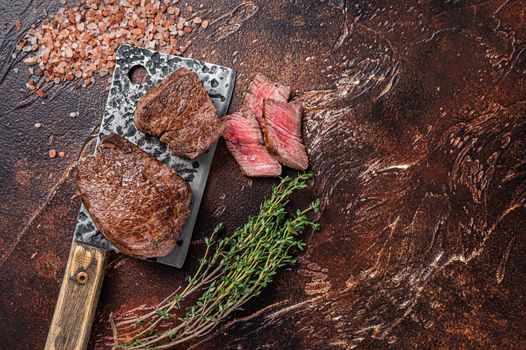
[416, 129]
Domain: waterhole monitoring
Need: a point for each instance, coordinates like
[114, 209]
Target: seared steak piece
[137, 202]
[266, 109]
[244, 140]
[179, 111]
[282, 133]
[262, 88]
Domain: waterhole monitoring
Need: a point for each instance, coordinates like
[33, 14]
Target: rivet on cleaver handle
[118, 118]
[77, 300]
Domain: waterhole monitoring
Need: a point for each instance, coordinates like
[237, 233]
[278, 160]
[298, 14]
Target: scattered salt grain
[30, 61]
[41, 93]
[68, 52]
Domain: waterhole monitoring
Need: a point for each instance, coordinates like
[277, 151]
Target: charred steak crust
[180, 112]
[137, 202]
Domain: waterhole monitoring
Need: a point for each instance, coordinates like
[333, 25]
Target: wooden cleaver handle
[77, 300]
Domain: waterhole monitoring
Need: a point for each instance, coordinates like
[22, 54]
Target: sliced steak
[245, 142]
[137, 202]
[179, 111]
[282, 133]
[262, 88]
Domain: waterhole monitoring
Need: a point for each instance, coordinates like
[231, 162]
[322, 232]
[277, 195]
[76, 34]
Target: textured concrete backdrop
[415, 125]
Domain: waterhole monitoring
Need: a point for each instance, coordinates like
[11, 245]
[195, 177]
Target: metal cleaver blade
[118, 118]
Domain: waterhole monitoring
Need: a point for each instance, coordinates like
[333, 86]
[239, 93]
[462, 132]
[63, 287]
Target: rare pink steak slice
[262, 88]
[245, 142]
[282, 133]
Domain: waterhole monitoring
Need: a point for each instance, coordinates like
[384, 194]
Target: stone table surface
[415, 124]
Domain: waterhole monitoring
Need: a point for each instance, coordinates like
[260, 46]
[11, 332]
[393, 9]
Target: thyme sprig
[233, 270]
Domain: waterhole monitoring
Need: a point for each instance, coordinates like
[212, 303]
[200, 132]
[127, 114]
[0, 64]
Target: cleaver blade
[118, 118]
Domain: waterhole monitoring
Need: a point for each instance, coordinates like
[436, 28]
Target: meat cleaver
[77, 300]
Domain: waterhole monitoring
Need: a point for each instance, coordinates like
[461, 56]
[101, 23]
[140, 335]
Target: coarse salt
[79, 42]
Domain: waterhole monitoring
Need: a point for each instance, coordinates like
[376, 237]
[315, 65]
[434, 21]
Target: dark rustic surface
[416, 128]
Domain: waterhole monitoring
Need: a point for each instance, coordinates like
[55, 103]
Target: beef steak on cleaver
[137, 202]
[179, 111]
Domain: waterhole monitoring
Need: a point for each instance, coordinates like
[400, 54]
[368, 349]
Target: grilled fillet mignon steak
[179, 111]
[245, 142]
[262, 88]
[282, 133]
[137, 202]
